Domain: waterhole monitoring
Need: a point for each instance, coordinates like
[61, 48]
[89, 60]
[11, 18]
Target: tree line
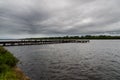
[81, 37]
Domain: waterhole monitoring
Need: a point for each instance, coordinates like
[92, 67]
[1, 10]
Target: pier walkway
[39, 42]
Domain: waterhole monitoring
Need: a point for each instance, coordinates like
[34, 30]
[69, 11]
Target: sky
[41, 18]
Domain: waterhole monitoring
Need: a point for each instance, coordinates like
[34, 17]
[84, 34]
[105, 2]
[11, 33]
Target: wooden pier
[40, 42]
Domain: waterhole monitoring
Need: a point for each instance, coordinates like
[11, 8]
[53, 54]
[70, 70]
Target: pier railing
[39, 42]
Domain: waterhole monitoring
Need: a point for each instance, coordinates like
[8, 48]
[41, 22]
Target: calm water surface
[97, 60]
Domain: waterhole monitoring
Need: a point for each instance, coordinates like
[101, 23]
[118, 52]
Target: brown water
[97, 60]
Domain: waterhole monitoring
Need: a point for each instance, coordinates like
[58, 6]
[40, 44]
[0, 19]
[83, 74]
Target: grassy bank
[8, 71]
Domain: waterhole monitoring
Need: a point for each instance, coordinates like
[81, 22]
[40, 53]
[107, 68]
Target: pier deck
[39, 42]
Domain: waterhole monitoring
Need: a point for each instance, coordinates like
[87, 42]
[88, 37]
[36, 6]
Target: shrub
[6, 59]
[7, 63]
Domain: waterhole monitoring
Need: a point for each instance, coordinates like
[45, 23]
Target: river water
[97, 60]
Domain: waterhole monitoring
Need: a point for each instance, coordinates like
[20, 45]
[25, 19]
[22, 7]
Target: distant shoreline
[90, 37]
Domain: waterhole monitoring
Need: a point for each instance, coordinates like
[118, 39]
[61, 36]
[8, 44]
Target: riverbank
[8, 69]
[20, 74]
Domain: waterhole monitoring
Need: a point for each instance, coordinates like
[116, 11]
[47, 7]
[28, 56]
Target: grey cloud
[63, 17]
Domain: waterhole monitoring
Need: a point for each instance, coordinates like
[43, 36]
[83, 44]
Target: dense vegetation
[7, 62]
[81, 37]
[99, 37]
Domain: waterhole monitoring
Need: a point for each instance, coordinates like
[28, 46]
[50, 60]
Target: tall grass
[7, 62]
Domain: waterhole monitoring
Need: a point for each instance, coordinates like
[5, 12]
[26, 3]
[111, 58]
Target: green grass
[7, 62]
[9, 75]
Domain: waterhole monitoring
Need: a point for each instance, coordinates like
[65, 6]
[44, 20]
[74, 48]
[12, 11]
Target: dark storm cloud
[31, 18]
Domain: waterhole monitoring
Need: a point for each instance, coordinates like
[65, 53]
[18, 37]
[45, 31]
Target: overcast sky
[33, 18]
